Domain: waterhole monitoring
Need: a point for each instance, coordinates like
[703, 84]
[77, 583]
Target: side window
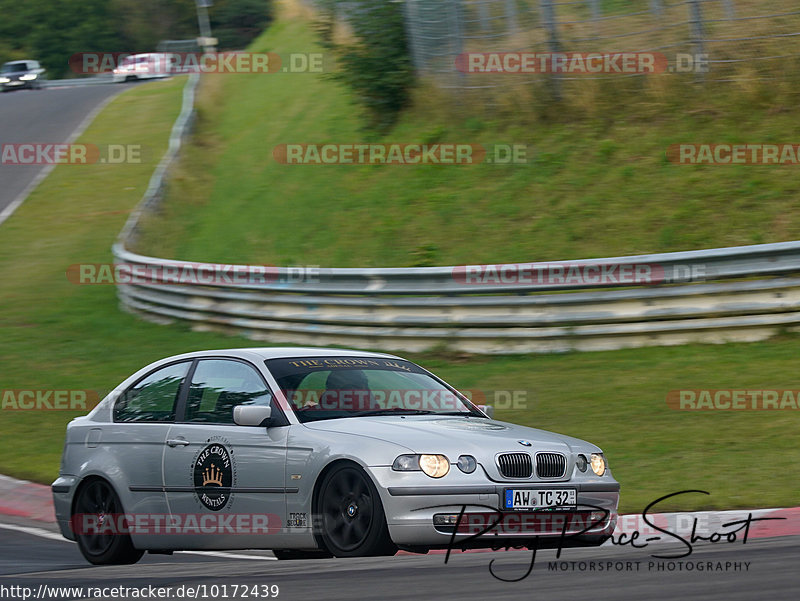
[218, 385]
[153, 398]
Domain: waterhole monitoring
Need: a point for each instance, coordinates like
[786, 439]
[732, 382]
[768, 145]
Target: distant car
[17, 75]
[316, 452]
[151, 65]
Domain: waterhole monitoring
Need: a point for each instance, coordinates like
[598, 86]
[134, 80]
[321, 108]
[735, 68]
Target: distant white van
[151, 65]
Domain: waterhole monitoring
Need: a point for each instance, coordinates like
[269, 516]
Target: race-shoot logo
[213, 476]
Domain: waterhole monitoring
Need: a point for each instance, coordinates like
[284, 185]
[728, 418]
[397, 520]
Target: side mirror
[251, 415]
[487, 409]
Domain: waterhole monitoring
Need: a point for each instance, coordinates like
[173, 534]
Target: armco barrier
[415, 309]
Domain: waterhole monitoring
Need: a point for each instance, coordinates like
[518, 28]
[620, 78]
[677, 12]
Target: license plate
[527, 498]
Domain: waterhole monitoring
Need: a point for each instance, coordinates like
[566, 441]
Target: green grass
[56, 335]
[597, 183]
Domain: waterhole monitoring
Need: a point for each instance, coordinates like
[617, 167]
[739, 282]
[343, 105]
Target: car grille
[550, 465]
[515, 465]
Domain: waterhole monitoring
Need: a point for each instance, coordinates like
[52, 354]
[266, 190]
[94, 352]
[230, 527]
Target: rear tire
[352, 521]
[98, 499]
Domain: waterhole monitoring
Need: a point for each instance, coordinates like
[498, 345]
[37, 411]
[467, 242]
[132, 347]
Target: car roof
[21, 62]
[282, 352]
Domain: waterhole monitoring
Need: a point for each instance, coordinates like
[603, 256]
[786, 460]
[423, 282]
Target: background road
[28, 560]
[50, 115]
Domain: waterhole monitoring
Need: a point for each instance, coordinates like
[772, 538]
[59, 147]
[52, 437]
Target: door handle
[177, 442]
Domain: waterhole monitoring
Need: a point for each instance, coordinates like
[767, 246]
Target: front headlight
[4, 80]
[598, 463]
[28, 77]
[435, 466]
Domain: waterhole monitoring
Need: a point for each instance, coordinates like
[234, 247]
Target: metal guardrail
[698, 296]
[78, 81]
[677, 267]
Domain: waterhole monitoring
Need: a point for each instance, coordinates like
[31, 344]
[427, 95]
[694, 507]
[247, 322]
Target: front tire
[352, 522]
[98, 499]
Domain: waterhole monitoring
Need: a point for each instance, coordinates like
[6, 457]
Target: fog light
[467, 464]
[445, 519]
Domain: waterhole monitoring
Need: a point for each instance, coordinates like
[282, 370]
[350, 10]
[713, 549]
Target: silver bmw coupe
[316, 453]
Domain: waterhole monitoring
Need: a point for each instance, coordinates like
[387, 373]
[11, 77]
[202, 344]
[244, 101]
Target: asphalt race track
[47, 116]
[32, 561]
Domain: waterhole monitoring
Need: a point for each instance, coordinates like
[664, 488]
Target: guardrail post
[553, 43]
[730, 11]
[511, 16]
[696, 30]
[596, 9]
[483, 15]
[657, 7]
[411, 18]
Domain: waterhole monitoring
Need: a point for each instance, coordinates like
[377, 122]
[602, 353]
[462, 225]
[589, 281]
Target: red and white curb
[23, 499]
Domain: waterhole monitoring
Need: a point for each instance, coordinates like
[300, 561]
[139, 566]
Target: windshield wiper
[393, 411]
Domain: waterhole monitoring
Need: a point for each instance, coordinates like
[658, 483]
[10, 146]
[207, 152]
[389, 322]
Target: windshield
[14, 68]
[320, 388]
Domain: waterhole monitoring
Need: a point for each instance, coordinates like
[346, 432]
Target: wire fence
[474, 44]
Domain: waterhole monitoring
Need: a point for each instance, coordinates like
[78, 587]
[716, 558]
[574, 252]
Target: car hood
[454, 436]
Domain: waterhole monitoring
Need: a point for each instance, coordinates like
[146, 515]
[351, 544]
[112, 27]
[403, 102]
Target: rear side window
[153, 398]
[218, 385]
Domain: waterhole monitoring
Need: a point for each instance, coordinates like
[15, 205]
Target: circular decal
[213, 476]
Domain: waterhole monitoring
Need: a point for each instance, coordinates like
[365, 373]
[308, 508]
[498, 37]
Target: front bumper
[411, 500]
[17, 84]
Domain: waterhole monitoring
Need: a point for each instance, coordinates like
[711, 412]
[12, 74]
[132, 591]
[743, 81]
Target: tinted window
[153, 398]
[335, 387]
[15, 68]
[218, 385]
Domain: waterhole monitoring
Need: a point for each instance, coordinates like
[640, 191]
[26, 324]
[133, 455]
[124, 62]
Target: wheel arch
[315, 495]
[329, 467]
[84, 482]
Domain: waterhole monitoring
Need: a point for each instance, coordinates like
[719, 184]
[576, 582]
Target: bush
[236, 23]
[376, 63]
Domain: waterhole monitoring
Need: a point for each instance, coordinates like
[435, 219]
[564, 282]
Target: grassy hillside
[597, 182]
[56, 335]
